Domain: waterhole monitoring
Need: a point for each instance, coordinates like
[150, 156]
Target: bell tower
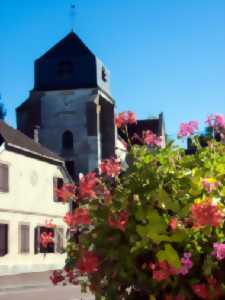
[71, 105]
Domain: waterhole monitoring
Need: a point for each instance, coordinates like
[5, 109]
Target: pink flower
[46, 239]
[151, 139]
[186, 264]
[125, 118]
[207, 213]
[111, 167]
[87, 185]
[82, 217]
[210, 184]
[216, 121]
[88, 263]
[219, 251]
[187, 129]
[118, 222]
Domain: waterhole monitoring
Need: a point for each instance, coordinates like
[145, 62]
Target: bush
[155, 230]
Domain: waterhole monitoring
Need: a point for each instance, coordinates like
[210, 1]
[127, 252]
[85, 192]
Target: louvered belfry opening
[107, 128]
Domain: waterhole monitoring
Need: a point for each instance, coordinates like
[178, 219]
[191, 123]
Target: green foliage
[160, 185]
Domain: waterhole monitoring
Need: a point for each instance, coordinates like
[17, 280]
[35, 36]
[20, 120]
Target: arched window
[67, 140]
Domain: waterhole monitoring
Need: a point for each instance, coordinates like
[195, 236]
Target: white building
[28, 175]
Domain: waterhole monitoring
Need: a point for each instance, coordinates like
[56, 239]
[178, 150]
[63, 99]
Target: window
[59, 239]
[67, 140]
[24, 236]
[57, 185]
[3, 239]
[38, 248]
[4, 178]
[65, 69]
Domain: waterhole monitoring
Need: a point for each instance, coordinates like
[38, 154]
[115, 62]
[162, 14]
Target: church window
[67, 140]
[65, 69]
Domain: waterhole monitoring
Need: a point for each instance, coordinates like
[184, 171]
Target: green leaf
[166, 202]
[170, 255]
[156, 222]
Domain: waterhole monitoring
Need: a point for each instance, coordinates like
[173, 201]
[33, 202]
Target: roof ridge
[14, 137]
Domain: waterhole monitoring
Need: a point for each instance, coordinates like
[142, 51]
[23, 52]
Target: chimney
[36, 133]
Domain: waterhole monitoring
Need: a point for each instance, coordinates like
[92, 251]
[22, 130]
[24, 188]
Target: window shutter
[3, 239]
[59, 239]
[91, 119]
[4, 178]
[36, 240]
[24, 238]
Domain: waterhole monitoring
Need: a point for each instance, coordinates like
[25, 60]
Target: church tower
[70, 110]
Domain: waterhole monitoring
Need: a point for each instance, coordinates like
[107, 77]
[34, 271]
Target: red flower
[87, 185]
[151, 139]
[121, 119]
[125, 118]
[162, 270]
[173, 223]
[82, 216]
[57, 277]
[46, 239]
[111, 167]
[66, 193]
[201, 290]
[131, 118]
[69, 219]
[119, 222]
[88, 263]
[207, 213]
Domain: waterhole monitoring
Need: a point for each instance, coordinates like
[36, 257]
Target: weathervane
[72, 16]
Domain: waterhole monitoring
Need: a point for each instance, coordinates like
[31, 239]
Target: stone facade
[71, 105]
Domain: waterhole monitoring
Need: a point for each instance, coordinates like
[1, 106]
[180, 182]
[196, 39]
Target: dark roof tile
[14, 137]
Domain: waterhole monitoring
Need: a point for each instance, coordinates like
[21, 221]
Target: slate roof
[71, 45]
[15, 139]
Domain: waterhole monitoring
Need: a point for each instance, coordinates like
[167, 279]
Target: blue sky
[164, 55]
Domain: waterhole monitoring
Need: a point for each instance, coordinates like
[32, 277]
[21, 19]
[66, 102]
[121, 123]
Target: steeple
[70, 64]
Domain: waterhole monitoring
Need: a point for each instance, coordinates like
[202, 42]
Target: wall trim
[15, 211]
